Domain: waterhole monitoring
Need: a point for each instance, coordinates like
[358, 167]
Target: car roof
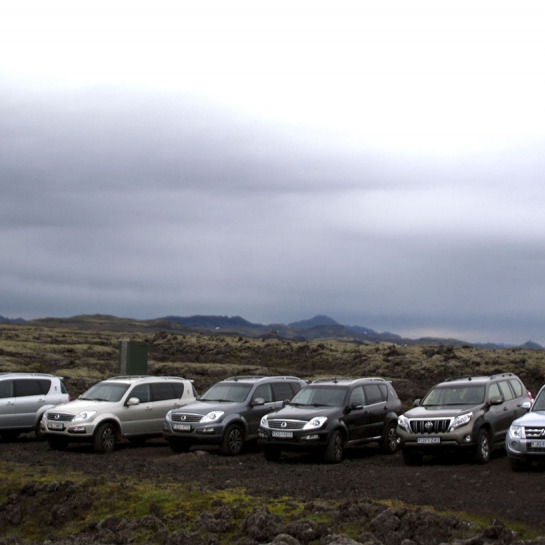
[131, 379]
[467, 380]
[349, 381]
[252, 379]
[27, 375]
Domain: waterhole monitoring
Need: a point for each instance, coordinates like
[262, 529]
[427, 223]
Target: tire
[520, 465]
[272, 454]
[483, 448]
[38, 432]
[233, 440]
[412, 457]
[388, 444]
[57, 443]
[105, 438]
[334, 452]
[178, 445]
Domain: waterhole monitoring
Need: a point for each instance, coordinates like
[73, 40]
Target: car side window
[160, 391]
[493, 391]
[178, 388]
[30, 387]
[263, 391]
[141, 392]
[6, 389]
[357, 397]
[517, 387]
[282, 390]
[372, 394]
[506, 390]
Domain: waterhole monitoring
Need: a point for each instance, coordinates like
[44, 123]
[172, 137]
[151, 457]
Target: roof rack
[257, 377]
[331, 379]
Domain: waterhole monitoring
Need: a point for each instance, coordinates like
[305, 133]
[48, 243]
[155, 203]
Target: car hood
[290, 412]
[79, 405]
[440, 411]
[204, 407]
[533, 418]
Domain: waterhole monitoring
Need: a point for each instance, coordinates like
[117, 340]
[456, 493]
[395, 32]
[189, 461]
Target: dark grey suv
[330, 414]
[228, 414]
[470, 413]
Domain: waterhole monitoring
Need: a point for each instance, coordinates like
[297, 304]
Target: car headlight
[403, 423]
[212, 416]
[264, 422]
[517, 431]
[461, 420]
[316, 422]
[85, 415]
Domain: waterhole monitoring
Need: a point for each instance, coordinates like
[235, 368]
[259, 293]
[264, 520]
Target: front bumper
[196, 432]
[460, 439]
[524, 449]
[71, 430]
[293, 439]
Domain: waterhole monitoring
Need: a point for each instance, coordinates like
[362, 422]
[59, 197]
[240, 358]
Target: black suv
[330, 414]
[228, 414]
[472, 413]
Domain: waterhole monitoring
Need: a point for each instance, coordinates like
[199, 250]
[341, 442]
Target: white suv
[121, 407]
[24, 397]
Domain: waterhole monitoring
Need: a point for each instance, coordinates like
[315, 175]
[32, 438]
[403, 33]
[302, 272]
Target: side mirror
[495, 401]
[132, 401]
[526, 405]
[416, 403]
[257, 402]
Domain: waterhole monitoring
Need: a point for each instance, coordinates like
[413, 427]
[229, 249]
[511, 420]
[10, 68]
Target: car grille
[439, 425]
[535, 433]
[287, 424]
[186, 417]
[60, 417]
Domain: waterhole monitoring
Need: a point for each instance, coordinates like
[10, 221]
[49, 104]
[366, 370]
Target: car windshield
[105, 391]
[539, 403]
[454, 395]
[227, 391]
[329, 396]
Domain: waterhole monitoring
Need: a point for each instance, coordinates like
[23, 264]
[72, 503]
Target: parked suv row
[470, 413]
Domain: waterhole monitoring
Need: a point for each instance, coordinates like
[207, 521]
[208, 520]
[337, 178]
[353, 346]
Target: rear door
[30, 397]
[165, 396]
[376, 408]
[7, 404]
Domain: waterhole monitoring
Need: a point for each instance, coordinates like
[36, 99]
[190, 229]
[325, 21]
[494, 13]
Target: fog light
[206, 430]
[514, 445]
[78, 429]
[467, 438]
[310, 437]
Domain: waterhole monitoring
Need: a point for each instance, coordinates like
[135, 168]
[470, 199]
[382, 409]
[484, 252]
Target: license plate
[283, 434]
[428, 440]
[55, 426]
[537, 444]
[181, 427]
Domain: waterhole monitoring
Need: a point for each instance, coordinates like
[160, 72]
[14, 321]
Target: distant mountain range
[318, 327]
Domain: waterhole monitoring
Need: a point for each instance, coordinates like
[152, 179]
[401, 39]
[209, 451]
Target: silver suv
[228, 414]
[525, 441]
[471, 413]
[24, 397]
[120, 407]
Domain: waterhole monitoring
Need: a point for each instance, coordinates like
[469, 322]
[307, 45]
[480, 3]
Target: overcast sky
[378, 162]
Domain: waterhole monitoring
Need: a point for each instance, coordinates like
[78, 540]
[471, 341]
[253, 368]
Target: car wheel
[57, 443]
[179, 446]
[334, 452]
[104, 439]
[233, 440]
[272, 454]
[520, 465]
[412, 457]
[483, 450]
[38, 431]
[388, 444]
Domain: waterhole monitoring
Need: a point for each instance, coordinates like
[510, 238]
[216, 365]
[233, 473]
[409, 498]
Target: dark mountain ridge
[318, 327]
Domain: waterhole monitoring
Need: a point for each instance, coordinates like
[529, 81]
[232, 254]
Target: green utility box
[133, 357]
